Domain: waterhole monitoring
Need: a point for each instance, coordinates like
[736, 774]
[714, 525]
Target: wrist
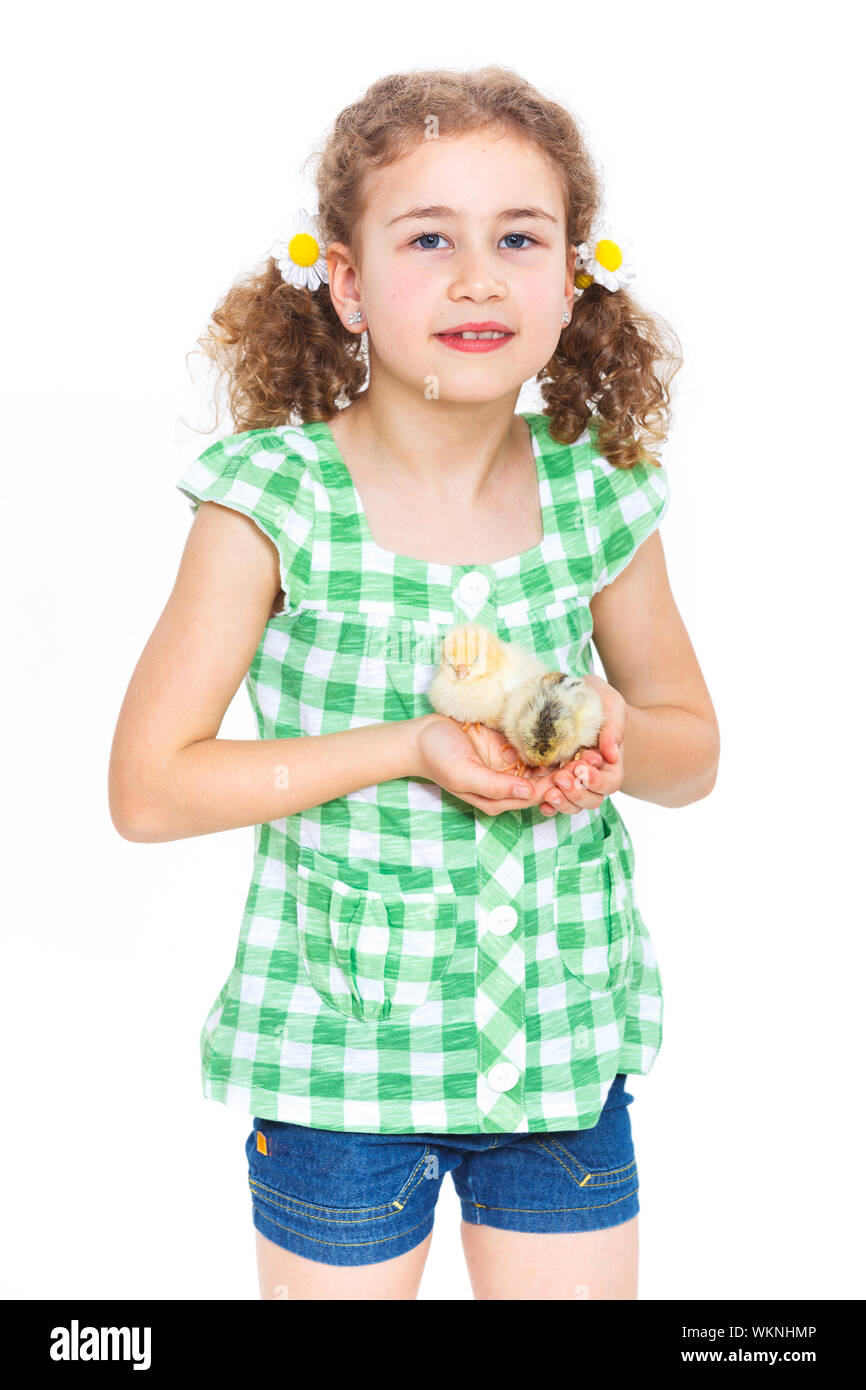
[415, 728]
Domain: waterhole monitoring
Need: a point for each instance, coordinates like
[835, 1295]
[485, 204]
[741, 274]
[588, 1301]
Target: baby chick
[477, 673]
[551, 720]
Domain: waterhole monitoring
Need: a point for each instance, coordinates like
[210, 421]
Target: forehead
[478, 175]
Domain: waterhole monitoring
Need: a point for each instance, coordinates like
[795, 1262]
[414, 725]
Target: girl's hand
[583, 783]
[469, 765]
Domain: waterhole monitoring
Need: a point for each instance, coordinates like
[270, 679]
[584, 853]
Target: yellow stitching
[624, 1169]
[602, 1172]
[386, 1208]
[287, 1203]
[545, 1211]
[269, 1194]
[343, 1244]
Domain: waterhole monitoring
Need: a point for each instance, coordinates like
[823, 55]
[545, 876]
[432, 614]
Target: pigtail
[615, 361]
[283, 350]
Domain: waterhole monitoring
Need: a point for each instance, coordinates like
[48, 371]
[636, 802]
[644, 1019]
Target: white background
[150, 154]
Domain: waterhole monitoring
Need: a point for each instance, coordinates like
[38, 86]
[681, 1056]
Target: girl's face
[463, 231]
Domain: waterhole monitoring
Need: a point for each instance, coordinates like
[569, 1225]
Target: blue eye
[509, 236]
[425, 236]
[525, 237]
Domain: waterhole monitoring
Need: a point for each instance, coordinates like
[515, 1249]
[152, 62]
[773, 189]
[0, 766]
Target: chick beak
[461, 671]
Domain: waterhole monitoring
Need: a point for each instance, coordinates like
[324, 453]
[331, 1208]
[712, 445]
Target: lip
[451, 338]
[488, 327]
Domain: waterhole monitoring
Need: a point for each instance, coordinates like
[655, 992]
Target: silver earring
[566, 318]
[356, 317]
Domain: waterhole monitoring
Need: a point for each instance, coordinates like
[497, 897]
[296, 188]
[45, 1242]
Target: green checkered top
[406, 963]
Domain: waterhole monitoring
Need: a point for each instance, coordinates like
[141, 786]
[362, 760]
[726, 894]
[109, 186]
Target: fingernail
[522, 791]
[582, 778]
[554, 798]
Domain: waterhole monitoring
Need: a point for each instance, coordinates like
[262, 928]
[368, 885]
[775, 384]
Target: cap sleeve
[259, 474]
[629, 505]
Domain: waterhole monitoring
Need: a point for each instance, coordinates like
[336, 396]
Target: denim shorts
[356, 1199]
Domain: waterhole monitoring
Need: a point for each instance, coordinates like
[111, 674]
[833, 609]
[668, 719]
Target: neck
[459, 451]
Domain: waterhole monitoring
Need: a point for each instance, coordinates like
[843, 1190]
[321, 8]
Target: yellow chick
[477, 673]
[551, 720]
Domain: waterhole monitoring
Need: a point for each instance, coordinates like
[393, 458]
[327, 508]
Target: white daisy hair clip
[604, 261]
[298, 252]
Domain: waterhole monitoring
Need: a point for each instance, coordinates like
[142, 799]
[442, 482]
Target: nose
[477, 274]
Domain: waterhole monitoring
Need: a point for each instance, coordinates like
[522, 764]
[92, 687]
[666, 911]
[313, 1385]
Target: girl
[441, 965]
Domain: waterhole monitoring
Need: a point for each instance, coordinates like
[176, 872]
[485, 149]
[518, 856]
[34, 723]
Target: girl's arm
[671, 742]
[169, 776]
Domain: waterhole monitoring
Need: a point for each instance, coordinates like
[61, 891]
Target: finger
[565, 796]
[571, 793]
[578, 800]
[589, 756]
[584, 801]
[574, 782]
[494, 808]
[498, 786]
[589, 780]
[610, 742]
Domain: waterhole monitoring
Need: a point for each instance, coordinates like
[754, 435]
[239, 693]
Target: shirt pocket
[374, 953]
[593, 916]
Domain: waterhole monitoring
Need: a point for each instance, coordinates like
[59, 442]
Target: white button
[502, 919]
[474, 587]
[503, 1076]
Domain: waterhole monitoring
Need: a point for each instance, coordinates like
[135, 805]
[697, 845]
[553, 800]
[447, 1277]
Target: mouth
[469, 340]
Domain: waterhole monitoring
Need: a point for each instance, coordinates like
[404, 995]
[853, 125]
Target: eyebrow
[442, 213]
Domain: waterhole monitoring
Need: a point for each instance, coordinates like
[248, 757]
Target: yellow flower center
[608, 255]
[582, 280]
[303, 249]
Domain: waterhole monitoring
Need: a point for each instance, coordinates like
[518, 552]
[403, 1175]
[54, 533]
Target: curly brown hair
[288, 357]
